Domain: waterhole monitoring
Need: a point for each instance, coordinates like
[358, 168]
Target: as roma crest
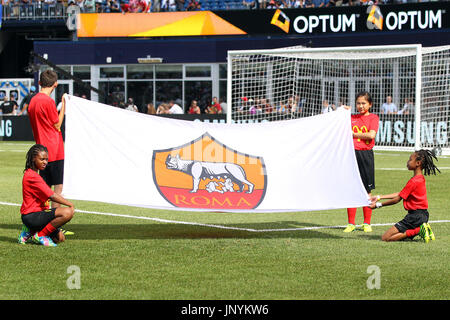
[207, 174]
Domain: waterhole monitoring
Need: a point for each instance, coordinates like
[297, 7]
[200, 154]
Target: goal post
[288, 83]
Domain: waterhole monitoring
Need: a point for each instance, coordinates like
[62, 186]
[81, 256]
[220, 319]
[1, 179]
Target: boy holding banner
[46, 126]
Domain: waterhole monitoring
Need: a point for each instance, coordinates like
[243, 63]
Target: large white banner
[123, 157]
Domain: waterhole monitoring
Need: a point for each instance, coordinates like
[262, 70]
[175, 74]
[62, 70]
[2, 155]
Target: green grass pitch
[119, 257]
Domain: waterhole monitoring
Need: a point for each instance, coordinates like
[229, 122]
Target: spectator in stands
[50, 3]
[282, 108]
[297, 106]
[143, 6]
[25, 3]
[408, 107]
[89, 6]
[193, 5]
[113, 5]
[134, 6]
[223, 105]
[131, 106]
[343, 3]
[9, 107]
[60, 4]
[389, 107]
[180, 5]
[292, 104]
[295, 4]
[26, 101]
[151, 108]
[156, 6]
[169, 5]
[320, 3]
[266, 106]
[255, 107]
[214, 107]
[175, 108]
[251, 4]
[79, 3]
[327, 107]
[273, 4]
[148, 6]
[163, 108]
[194, 108]
[99, 6]
[15, 7]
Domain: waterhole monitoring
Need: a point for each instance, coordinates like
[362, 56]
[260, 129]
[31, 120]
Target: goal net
[409, 84]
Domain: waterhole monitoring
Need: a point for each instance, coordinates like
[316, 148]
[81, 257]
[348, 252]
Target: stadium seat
[23, 12]
[52, 11]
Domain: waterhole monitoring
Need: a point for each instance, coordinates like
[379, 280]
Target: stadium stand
[37, 9]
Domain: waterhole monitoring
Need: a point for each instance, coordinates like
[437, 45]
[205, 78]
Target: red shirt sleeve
[374, 123]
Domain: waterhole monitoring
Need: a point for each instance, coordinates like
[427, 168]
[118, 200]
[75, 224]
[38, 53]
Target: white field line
[401, 155]
[218, 226]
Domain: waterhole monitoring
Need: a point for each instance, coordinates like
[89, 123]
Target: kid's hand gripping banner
[123, 157]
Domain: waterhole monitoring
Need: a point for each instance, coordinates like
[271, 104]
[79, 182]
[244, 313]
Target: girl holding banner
[364, 127]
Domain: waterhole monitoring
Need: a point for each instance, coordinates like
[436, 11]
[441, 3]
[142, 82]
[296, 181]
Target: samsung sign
[400, 132]
[5, 128]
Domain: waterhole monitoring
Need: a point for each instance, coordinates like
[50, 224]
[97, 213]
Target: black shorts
[36, 221]
[366, 166]
[53, 174]
[412, 220]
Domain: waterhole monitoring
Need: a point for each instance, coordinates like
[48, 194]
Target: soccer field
[134, 253]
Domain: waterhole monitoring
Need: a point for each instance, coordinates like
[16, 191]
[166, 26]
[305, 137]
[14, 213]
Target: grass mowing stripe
[405, 169]
[219, 226]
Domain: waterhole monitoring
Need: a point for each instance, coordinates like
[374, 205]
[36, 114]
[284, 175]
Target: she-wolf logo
[207, 174]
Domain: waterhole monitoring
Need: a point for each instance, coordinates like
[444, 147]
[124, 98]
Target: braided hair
[31, 154]
[426, 158]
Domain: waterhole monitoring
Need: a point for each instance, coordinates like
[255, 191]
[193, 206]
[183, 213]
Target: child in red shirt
[414, 196]
[40, 223]
[365, 127]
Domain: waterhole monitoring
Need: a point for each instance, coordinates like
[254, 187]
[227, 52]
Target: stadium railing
[39, 11]
[35, 11]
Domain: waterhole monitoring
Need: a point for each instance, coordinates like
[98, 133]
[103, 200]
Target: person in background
[214, 108]
[9, 107]
[389, 107]
[26, 101]
[194, 108]
[408, 107]
[175, 108]
[131, 106]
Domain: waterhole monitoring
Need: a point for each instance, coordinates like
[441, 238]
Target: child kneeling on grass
[40, 223]
[414, 196]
